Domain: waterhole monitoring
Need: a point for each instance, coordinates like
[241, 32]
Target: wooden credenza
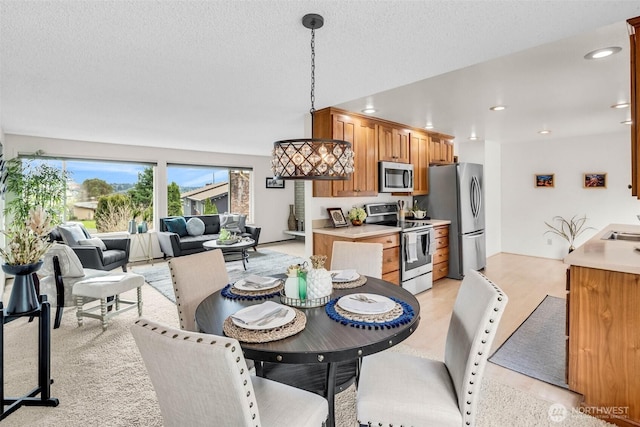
[441, 255]
[323, 244]
[603, 328]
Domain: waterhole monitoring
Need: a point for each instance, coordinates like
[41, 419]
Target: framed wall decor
[337, 217]
[545, 180]
[595, 180]
[274, 183]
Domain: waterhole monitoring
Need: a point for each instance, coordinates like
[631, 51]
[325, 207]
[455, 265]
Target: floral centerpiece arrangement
[27, 242]
[357, 215]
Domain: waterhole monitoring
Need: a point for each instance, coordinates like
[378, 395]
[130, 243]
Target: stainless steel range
[416, 248]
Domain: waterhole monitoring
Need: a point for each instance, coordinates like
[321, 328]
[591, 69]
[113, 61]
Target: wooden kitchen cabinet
[440, 150]
[361, 133]
[441, 255]
[393, 144]
[634, 39]
[419, 156]
[323, 245]
[604, 343]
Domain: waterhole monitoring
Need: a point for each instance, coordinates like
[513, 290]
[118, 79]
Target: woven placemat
[232, 292]
[401, 314]
[265, 335]
[351, 284]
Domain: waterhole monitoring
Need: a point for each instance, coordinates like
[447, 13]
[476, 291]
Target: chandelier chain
[313, 71]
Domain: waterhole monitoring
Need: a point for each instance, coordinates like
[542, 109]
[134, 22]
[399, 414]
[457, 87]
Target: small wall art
[595, 180]
[275, 183]
[545, 180]
[337, 217]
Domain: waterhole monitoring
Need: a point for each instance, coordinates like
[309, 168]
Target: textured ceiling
[233, 76]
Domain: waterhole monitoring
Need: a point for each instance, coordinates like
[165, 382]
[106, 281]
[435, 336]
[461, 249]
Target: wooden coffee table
[233, 252]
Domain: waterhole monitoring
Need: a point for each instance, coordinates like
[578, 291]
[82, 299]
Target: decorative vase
[133, 227]
[142, 227]
[318, 278]
[291, 222]
[356, 222]
[291, 284]
[23, 297]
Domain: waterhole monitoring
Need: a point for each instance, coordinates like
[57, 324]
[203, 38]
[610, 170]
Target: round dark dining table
[324, 344]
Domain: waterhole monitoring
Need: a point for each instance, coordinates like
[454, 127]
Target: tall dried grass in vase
[27, 242]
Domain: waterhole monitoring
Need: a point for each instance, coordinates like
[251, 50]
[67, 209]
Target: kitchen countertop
[613, 255]
[369, 230]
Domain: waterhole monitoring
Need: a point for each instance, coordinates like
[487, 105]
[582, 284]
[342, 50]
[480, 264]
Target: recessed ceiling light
[620, 105]
[602, 53]
[498, 108]
[369, 110]
[544, 132]
[473, 138]
[429, 126]
[627, 122]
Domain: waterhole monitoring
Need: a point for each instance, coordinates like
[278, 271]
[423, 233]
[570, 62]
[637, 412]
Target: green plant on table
[225, 235]
[358, 214]
[569, 229]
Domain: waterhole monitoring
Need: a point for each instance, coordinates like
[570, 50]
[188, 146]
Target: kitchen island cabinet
[323, 239]
[603, 324]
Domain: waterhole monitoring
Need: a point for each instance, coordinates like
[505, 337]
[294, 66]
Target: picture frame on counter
[337, 217]
[545, 180]
[274, 183]
[594, 180]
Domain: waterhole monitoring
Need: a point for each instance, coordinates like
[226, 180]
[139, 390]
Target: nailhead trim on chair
[213, 342]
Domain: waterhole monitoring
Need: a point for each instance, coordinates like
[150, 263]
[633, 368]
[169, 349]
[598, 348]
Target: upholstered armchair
[60, 271]
[93, 252]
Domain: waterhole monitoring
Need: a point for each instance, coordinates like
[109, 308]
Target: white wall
[525, 208]
[270, 206]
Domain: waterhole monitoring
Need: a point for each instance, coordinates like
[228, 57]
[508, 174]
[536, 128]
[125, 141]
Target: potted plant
[27, 242]
[568, 229]
[357, 215]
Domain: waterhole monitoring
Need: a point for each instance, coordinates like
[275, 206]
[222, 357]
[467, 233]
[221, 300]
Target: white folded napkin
[259, 280]
[344, 275]
[256, 313]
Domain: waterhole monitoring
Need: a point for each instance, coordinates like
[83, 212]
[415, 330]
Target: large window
[103, 195]
[195, 190]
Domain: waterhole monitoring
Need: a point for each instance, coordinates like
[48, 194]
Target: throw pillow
[233, 222]
[70, 265]
[195, 227]
[94, 241]
[71, 233]
[176, 225]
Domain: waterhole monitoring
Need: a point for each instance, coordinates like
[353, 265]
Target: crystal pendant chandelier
[312, 158]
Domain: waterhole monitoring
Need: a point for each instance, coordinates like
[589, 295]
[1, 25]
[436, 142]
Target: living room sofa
[179, 236]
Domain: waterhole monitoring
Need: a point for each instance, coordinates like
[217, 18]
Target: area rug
[264, 262]
[100, 379]
[537, 347]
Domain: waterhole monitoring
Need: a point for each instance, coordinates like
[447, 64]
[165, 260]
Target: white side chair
[397, 389]
[194, 278]
[365, 258]
[203, 380]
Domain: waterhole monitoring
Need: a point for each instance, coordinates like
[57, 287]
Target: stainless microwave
[395, 177]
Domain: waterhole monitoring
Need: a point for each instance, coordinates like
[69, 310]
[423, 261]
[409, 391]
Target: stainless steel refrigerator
[456, 194]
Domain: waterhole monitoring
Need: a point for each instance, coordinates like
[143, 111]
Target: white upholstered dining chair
[203, 380]
[365, 258]
[403, 390]
[194, 278]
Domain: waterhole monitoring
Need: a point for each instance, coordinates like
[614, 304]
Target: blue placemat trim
[405, 317]
[228, 293]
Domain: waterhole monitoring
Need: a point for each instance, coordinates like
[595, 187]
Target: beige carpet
[100, 379]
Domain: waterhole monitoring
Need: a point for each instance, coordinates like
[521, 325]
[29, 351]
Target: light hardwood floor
[526, 281]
